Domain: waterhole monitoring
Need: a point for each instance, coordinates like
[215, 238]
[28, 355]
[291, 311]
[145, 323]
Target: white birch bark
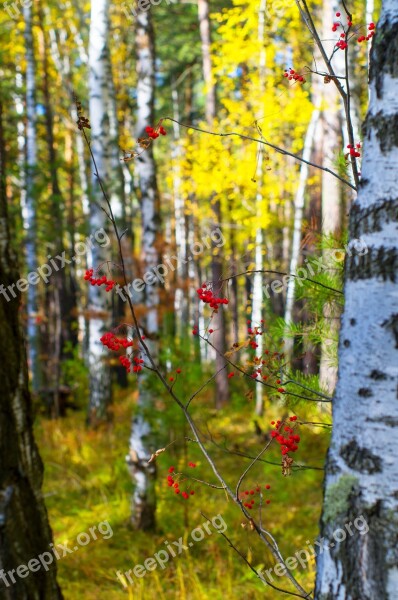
[299, 203]
[30, 201]
[259, 242]
[332, 140]
[141, 438]
[181, 297]
[362, 467]
[218, 323]
[99, 300]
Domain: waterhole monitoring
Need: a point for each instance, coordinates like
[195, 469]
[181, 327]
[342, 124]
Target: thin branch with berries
[115, 343]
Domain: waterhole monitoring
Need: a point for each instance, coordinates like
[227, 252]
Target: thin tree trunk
[62, 286]
[142, 437]
[259, 241]
[181, 293]
[362, 468]
[30, 222]
[99, 300]
[332, 139]
[25, 531]
[298, 219]
[219, 339]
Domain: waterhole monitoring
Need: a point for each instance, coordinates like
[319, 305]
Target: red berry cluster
[288, 444]
[366, 38]
[292, 74]
[172, 483]
[111, 341]
[100, 280]
[154, 133]
[354, 151]
[342, 44]
[138, 362]
[230, 375]
[254, 332]
[250, 503]
[125, 361]
[207, 296]
[337, 24]
[271, 362]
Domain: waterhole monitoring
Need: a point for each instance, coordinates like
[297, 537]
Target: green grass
[86, 482]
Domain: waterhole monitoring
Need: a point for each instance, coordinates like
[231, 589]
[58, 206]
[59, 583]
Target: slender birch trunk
[142, 438]
[259, 241]
[61, 318]
[219, 339]
[362, 468]
[298, 219]
[332, 196]
[30, 222]
[181, 294]
[99, 301]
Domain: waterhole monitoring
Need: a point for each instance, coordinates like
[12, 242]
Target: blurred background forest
[226, 210]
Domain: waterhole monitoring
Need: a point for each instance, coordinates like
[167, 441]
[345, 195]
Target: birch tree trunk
[181, 303]
[298, 220]
[332, 194]
[99, 301]
[141, 440]
[362, 467]
[61, 322]
[30, 202]
[219, 338]
[259, 241]
[24, 528]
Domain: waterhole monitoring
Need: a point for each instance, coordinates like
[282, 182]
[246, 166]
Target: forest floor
[87, 482]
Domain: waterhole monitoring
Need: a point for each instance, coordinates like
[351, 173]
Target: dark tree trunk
[24, 529]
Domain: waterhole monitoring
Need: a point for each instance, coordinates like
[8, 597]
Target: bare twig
[260, 141]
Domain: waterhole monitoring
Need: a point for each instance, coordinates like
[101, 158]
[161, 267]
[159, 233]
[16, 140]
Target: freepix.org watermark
[159, 273]
[57, 552]
[306, 555]
[133, 9]
[55, 263]
[162, 557]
